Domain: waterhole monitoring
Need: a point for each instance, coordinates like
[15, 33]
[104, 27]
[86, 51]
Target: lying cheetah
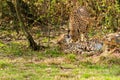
[66, 44]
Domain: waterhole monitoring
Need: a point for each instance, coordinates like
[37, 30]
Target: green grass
[20, 63]
[22, 70]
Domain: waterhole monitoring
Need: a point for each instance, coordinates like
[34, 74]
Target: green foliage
[71, 57]
[2, 44]
[4, 64]
[12, 49]
[15, 49]
[56, 12]
[107, 14]
[53, 52]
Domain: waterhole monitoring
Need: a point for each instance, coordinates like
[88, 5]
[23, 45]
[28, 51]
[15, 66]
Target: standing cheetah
[78, 23]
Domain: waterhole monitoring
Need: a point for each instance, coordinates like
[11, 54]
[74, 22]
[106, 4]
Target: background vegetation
[56, 12]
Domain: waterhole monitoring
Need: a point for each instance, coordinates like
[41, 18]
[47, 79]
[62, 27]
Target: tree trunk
[31, 41]
[13, 15]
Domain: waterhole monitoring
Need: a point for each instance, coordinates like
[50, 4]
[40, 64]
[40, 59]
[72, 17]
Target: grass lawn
[55, 68]
[20, 63]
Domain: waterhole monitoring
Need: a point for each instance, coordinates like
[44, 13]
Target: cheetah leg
[82, 37]
[86, 36]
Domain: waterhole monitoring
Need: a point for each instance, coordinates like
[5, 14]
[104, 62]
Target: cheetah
[78, 23]
[68, 45]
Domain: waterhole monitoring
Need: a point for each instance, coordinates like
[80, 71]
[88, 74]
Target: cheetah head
[64, 39]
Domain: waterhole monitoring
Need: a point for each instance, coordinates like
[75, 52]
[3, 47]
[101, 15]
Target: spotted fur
[78, 23]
